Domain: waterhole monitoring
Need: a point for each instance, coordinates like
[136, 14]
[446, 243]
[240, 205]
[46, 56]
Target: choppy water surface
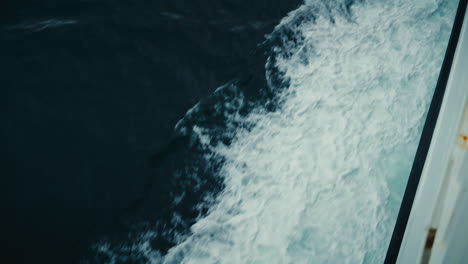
[314, 168]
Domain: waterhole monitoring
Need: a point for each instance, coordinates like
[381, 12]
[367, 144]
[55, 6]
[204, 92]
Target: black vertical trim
[424, 143]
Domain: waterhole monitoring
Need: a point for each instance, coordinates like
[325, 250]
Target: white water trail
[321, 179]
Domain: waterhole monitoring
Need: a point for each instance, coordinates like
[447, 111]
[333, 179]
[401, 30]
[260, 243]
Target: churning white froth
[320, 180]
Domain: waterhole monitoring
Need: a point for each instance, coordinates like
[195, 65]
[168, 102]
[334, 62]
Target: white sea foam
[320, 180]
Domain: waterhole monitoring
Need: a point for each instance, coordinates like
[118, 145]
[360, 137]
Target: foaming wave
[320, 178]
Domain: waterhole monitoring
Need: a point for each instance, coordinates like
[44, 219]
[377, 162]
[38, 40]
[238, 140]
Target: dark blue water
[92, 91]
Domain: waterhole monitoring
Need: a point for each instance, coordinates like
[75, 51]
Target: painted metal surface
[437, 230]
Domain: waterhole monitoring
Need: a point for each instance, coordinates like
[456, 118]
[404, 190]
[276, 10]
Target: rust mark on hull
[430, 238]
[463, 141]
[431, 233]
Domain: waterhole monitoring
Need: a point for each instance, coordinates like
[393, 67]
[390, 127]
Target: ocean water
[91, 92]
[311, 169]
[212, 131]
